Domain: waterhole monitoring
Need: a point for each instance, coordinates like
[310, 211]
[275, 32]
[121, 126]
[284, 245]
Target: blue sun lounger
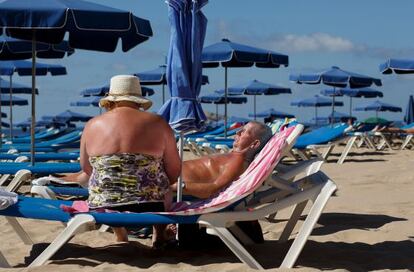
[39, 168]
[47, 134]
[42, 157]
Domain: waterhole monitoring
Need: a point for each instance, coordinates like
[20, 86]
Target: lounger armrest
[308, 167]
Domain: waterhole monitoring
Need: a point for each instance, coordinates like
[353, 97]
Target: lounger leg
[3, 262]
[308, 225]
[346, 150]
[241, 235]
[78, 224]
[292, 221]
[234, 246]
[406, 141]
[24, 236]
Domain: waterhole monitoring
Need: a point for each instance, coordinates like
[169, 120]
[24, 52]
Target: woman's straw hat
[125, 88]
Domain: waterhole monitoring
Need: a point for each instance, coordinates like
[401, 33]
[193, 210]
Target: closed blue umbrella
[378, 106]
[88, 25]
[158, 76]
[271, 113]
[409, 112]
[336, 77]
[316, 102]
[254, 88]
[188, 28]
[230, 54]
[24, 68]
[220, 99]
[398, 66]
[361, 92]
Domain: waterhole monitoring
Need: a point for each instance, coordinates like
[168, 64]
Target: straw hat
[125, 88]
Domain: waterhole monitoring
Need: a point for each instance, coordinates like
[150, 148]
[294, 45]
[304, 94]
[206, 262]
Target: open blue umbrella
[87, 101]
[398, 66]
[230, 54]
[254, 88]
[188, 28]
[14, 101]
[101, 91]
[378, 106]
[24, 68]
[88, 25]
[158, 76]
[409, 112]
[336, 77]
[220, 99]
[316, 102]
[360, 92]
[70, 116]
[271, 113]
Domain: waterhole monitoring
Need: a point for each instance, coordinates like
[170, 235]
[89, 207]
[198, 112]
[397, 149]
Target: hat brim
[145, 103]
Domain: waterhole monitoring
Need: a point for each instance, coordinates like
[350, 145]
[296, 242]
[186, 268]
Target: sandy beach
[367, 225]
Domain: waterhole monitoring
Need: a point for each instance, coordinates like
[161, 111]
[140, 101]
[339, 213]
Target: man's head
[252, 137]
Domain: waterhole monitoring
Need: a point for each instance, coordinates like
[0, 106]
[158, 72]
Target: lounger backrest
[254, 176]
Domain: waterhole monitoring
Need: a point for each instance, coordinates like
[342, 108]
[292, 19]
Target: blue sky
[354, 35]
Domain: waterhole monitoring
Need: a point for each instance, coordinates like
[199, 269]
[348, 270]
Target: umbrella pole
[180, 179]
[225, 102]
[333, 108]
[316, 115]
[254, 107]
[163, 93]
[350, 107]
[32, 128]
[217, 114]
[11, 109]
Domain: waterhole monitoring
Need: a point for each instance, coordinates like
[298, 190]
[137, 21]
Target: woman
[130, 155]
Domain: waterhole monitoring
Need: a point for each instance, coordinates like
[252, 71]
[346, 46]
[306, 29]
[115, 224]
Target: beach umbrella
[336, 117]
[271, 113]
[357, 93]
[70, 116]
[188, 28]
[158, 76]
[316, 102]
[220, 99]
[230, 54]
[409, 112]
[378, 106]
[24, 68]
[103, 90]
[254, 88]
[87, 101]
[398, 66]
[88, 25]
[336, 78]
[14, 100]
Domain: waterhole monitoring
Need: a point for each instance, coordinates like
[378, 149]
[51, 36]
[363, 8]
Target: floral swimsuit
[124, 179]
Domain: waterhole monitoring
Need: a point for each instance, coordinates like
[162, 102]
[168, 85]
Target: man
[207, 175]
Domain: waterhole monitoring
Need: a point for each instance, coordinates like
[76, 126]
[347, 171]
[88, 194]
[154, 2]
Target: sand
[368, 225]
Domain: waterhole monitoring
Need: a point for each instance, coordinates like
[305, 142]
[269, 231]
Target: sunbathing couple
[131, 161]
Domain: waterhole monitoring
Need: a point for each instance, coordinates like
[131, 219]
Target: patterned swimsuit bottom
[126, 179]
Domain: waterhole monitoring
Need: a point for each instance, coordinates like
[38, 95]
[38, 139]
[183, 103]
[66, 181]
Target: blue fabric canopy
[24, 68]
[336, 77]
[16, 49]
[90, 26]
[272, 113]
[230, 54]
[337, 117]
[87, 101]
[101, 91]
[3, 114]
[378, 106]
[398, 66]
[409, 112]
[14, 100]
[16, 87]
[70, 116]
[220, 99]
[188, 28]
[362, 92]
[315, 101]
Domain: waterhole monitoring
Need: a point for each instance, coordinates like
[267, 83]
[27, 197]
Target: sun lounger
[39, 168]
[42, 157]
[211, 213]
[43, 135]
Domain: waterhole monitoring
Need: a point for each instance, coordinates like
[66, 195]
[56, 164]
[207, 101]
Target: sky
[354, 35]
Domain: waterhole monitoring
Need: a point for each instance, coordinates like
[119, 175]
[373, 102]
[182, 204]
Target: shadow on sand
[321, 255]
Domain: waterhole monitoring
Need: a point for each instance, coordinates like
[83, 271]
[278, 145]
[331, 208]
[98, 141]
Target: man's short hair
[263, 133]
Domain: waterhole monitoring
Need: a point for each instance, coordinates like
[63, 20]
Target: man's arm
[231, 172]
